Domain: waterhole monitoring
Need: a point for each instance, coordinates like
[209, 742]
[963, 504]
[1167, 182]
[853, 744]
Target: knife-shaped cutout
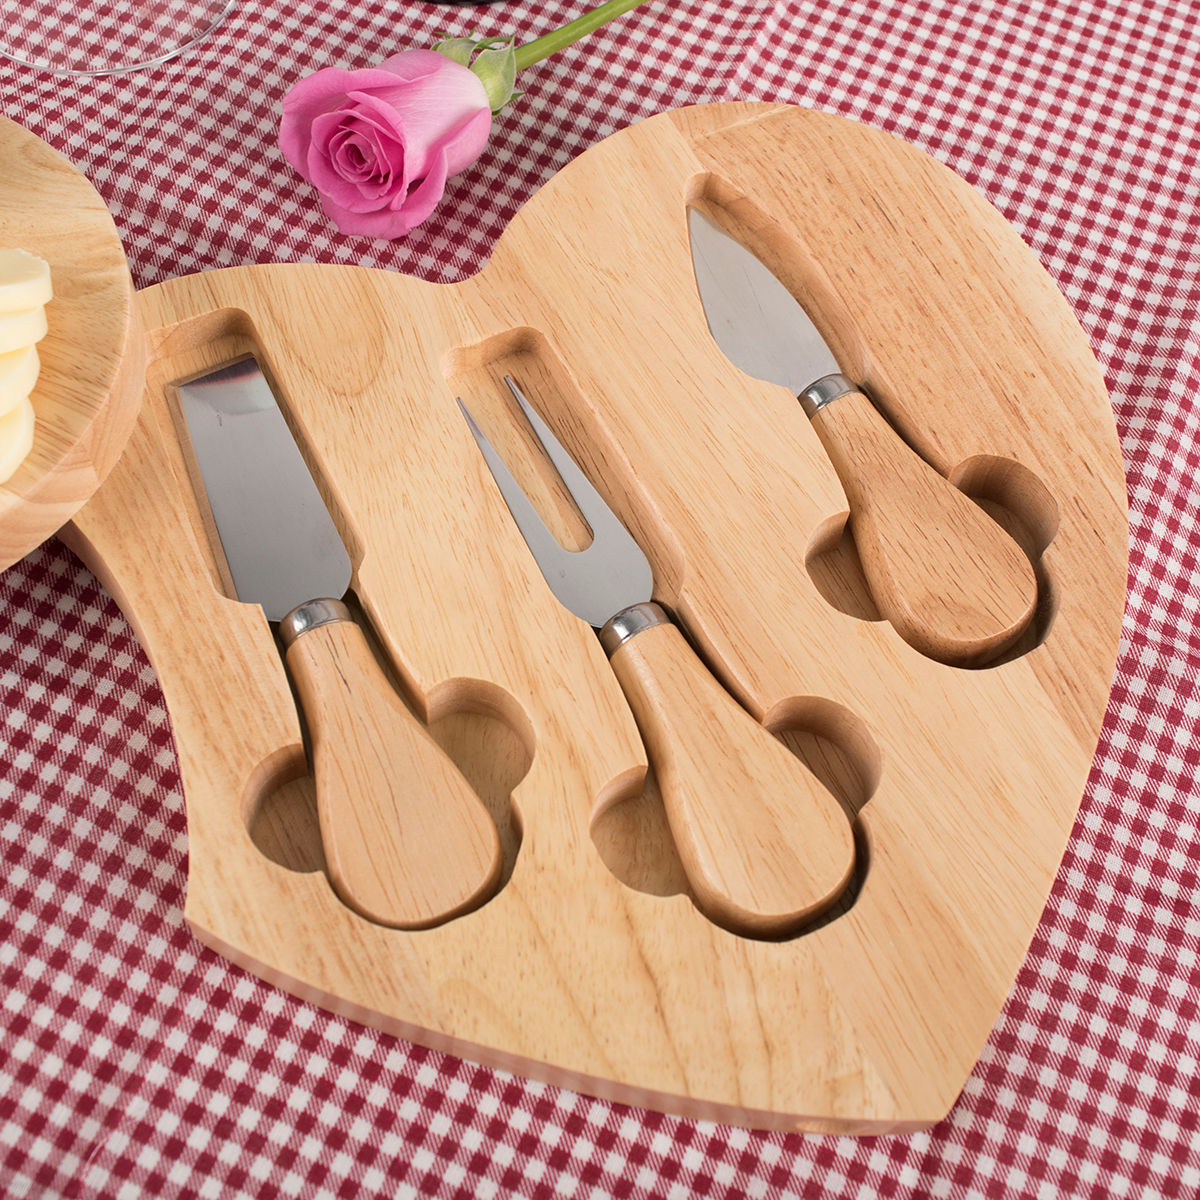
[407, 841]
[765, 846]
[947, 577]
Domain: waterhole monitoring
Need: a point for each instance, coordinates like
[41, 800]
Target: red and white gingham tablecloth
[136, 1063]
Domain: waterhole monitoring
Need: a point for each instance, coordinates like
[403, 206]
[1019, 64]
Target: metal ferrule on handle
[629, 622]
[825, 391]
[310, 615]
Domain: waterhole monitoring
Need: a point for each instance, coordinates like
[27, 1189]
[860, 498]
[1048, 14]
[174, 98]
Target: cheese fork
[765, 846]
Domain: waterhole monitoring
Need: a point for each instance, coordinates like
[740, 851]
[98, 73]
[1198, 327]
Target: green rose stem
[497, 60]
[559, 39]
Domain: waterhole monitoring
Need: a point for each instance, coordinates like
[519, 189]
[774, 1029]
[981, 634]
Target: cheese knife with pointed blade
[407, 842]
[950, 580]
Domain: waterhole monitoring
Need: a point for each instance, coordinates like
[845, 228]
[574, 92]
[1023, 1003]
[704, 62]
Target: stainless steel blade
[756, 321]
[280, 542]
[602, 579]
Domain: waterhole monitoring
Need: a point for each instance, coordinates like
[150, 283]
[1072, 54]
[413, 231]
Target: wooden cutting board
[591, 967]
[90, 386]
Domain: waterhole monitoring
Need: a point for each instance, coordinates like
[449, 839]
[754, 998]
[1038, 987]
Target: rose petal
[382, 223]
[431, 106]
[415, 64]
[466, 143]
[367, 156]
[470, 137]
[424, 197]
[359, 159]
[322, 92]
[371, 185]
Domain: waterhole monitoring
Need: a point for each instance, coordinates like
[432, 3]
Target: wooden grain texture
[407, 843]
[90, 386]
[591, 966]
[946, 576]
[764, 844]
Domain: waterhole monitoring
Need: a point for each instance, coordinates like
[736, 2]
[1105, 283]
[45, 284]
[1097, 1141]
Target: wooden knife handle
[950, 580]
[764, 845]
[407, 841]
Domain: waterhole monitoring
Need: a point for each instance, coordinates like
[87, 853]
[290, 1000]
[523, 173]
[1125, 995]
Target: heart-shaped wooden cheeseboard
[591, 967]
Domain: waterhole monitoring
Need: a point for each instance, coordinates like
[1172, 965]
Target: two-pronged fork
[764, 845]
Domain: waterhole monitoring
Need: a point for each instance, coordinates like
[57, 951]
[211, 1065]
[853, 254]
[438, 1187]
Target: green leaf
[457, 49]
[496, 66]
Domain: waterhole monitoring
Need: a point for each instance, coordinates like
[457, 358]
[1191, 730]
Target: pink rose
[379, 144]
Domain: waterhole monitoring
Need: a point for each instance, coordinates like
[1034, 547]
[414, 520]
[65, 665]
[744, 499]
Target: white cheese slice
[20, 329]
[16, 439]
[18, 373]
[24, 281]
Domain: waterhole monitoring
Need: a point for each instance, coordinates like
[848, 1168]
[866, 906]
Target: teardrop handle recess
[948, 578]
[766, 847]
[407, 841]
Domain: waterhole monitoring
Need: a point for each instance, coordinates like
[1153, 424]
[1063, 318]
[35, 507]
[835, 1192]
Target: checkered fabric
[136, 1063]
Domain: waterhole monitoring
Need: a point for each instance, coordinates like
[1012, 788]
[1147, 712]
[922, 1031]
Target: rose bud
[379, 144]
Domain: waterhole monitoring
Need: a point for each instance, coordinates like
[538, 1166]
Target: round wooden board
[93, 359]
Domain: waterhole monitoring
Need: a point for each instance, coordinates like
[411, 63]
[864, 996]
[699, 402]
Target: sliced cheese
[16, 439]
[24, 281]
[20, 329]
[18, 373]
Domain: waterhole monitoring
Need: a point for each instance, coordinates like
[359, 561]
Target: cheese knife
[407, 841]
[947, 577]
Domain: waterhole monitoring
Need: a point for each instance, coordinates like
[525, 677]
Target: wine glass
[104, 37]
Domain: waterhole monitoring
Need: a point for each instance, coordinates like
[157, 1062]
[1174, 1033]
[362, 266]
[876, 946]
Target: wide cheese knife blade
[407, 841]
[952, 583]
[764, 845]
